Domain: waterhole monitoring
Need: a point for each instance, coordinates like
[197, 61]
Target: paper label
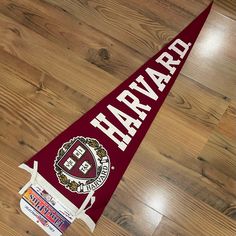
[46, 211]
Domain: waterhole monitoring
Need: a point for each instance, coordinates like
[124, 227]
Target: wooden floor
[58, 58]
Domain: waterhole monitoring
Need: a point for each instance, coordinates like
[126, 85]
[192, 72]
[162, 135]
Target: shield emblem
[78, 162]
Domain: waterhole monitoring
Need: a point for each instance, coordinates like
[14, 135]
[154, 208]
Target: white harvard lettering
[133, 103]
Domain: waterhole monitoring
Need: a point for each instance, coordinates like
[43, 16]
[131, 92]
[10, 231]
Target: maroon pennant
[80, 169]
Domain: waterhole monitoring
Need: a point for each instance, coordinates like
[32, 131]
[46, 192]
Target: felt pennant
[74, 176]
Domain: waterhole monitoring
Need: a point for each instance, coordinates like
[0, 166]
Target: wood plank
[214, 30]
[169, 13]
[175, 204]
[88, 43]
[43, 89]
[81, 75]
[134, 216]
[227, 125]
[120, 22]
[217, 72]
[7, 231]
[224, 7]
[100, 14]
[201, 186]
[220, 150]
[170, 228]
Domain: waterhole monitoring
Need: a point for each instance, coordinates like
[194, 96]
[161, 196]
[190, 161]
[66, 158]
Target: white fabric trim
[79, 213]
[34, 172]
[88, 199]
[90, 223]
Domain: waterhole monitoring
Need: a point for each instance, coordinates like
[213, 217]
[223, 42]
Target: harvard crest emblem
[82, 165]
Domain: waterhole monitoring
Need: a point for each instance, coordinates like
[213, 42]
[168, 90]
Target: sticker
[46, 211]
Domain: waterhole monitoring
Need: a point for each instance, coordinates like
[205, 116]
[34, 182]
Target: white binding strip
[85, 203]
[33, 172]
[79, 213]
[90, 223]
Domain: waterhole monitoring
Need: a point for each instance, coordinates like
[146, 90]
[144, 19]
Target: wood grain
[59, 58]
[222, 143]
